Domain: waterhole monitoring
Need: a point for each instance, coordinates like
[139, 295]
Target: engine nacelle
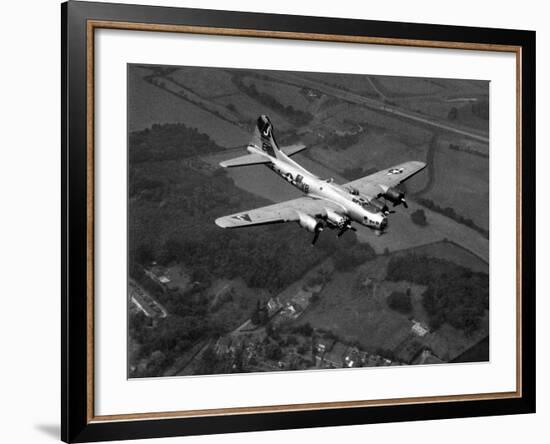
[310, 223]
[394, 196]
[334, 219]
[379, 205]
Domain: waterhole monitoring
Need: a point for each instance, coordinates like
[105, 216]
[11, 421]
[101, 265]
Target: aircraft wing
[277, 213]
[293, 149]
[382, 180]
[247, 159]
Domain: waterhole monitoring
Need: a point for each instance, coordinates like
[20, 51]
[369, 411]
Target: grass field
[451, 252]
[461, 182]
[286, 94]
[354, 313]
[154, 105]
[402, 87]
[354, 307]
[356, 83]
[440, 110]
[207, 82]
[407, 86]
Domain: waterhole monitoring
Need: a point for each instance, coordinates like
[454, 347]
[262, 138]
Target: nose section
[383, 222]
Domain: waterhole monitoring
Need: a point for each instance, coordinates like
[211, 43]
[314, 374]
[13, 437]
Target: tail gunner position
[325, 203]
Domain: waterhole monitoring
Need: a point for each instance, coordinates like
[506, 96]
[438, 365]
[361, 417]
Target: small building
[273, 306]
[224, 345]
[419, 329]
[324, 345]
[291, 310]
[164, 279]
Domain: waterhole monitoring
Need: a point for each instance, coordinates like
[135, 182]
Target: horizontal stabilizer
[293, 149]
[249, 159]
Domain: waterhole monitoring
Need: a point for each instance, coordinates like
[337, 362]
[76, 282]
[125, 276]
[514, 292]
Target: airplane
[325, 203]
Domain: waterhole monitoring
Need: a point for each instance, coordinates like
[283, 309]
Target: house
[291, 310]
[224, 345]
[164, 279]
[353, 357]
[324, 345]
[419, 329]
[156, 273]
[273, 306]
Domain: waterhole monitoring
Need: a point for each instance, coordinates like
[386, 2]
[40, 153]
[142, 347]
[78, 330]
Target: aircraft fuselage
[353, 207]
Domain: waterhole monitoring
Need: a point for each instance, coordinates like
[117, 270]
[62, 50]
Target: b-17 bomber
[325, 204]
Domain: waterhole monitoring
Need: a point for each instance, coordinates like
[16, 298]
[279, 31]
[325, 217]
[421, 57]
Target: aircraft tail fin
[263, 137]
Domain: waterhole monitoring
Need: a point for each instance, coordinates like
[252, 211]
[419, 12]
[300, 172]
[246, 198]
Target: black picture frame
[77, 425]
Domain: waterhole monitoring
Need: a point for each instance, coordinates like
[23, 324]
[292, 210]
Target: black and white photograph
[282, 221]
[275, 222]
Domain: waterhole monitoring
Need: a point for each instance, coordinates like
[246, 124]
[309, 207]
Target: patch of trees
[162, 345]
[480, 109]
[451, 213]
[212, 364]
[181, 229]
[259, 315]
[169, 141]
[273, 351]
[419, 217]
[400, 302]
[453, 114]
[303, 329]
[346, 259]
[296, 116]
[456, 147]
[455, 295]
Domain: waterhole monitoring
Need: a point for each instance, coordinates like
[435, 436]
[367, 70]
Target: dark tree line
[296, 116]
[455, 295]
[168, 142]
[452, 214]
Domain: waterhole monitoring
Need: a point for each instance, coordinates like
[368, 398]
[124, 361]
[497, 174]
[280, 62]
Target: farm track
[384, 108]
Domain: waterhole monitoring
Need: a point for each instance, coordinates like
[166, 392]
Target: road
[380, 93]
[379, 106]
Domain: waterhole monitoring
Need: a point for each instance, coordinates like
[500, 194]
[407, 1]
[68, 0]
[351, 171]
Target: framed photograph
[276, 221]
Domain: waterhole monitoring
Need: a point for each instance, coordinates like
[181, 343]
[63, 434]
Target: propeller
[404, 202]
[345, 228]
[316, 234]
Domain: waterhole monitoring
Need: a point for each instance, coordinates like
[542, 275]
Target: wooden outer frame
[79, 20]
